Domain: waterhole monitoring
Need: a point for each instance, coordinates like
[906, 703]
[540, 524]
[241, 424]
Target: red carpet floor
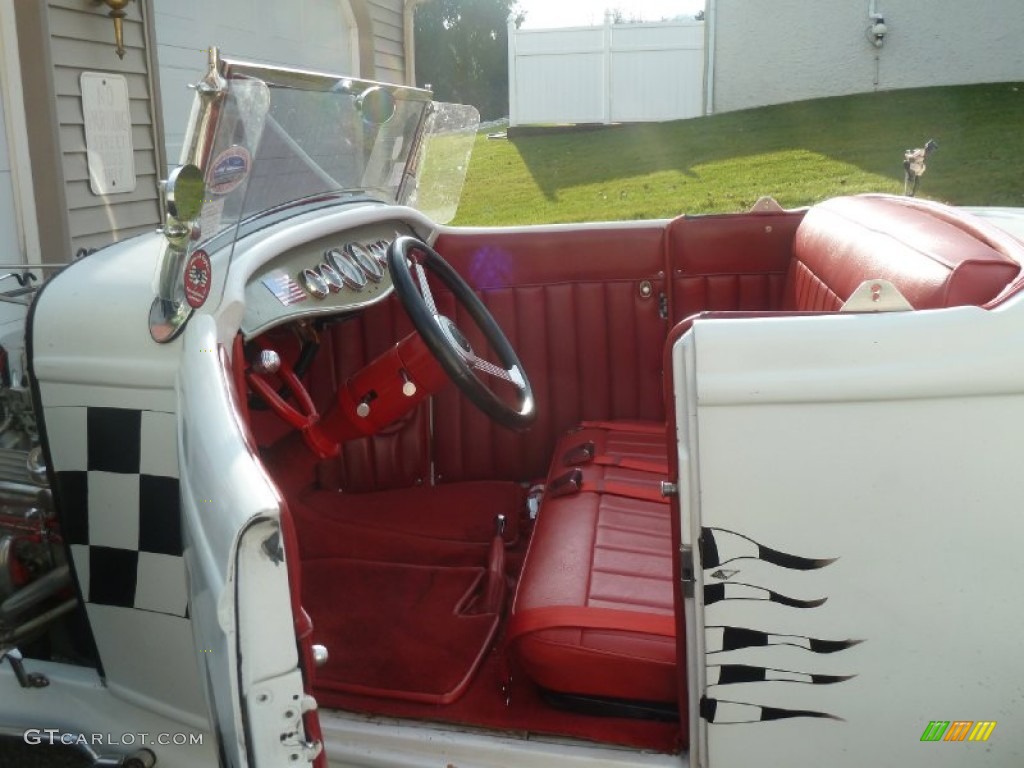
[400, 631]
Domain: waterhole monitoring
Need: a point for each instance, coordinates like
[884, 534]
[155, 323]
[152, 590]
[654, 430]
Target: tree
[618, 16]
[462, 51]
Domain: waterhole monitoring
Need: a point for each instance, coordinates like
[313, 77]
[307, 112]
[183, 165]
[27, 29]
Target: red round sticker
[198, 276]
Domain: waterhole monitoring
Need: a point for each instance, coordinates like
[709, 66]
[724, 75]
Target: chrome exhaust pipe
[33, 594]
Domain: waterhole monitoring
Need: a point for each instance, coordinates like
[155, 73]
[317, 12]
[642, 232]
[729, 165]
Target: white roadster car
[725, 491]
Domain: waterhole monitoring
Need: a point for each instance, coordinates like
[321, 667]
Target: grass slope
[799, 153]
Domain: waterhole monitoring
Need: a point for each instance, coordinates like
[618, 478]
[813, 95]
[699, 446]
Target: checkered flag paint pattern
[117, 483]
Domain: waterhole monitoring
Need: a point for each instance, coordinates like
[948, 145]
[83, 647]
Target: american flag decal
[286, 290]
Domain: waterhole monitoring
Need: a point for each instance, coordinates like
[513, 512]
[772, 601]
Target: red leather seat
[614, 456]
[935, 256]
[593, 613]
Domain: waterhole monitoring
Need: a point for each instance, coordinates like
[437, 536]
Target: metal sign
[108, 133]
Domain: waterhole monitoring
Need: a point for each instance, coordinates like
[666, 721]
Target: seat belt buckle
[580, 454]
[566, 484]
[533, 499]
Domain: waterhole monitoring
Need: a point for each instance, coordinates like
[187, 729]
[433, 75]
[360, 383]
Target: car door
[850, 531]
[241, 601]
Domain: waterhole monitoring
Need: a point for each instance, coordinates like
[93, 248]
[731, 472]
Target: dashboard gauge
[379, 250]
[370, 266]
[347, 268]
[314, 284]
[331, 276]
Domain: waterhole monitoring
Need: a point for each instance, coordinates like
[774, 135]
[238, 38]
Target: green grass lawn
[799, 153]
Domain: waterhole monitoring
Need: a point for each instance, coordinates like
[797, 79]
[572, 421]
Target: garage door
[312, 34]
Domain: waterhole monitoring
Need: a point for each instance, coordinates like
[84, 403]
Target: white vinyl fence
[609, 74]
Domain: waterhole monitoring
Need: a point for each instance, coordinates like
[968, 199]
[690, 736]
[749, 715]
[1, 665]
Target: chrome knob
[267, 362]
[408, 386]
[36, 465]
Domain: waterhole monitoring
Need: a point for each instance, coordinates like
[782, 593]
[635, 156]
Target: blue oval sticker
[229, 169]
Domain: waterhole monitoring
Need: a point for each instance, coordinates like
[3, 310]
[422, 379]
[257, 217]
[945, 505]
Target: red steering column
[385, 390]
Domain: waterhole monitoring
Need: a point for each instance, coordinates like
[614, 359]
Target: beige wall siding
[68, 37]
[10, 248]
[386, 16]
[82, 40]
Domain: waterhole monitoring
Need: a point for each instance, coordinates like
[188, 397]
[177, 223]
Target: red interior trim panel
[730, 262]
[592, 348]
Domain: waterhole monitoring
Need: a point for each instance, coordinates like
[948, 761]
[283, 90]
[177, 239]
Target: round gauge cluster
[352, 266]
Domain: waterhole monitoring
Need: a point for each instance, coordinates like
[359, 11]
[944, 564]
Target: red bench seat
[593, 611]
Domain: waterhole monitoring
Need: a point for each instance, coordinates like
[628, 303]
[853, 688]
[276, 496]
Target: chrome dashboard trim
[322, 311]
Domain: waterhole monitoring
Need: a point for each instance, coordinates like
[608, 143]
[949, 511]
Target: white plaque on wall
[108, 133]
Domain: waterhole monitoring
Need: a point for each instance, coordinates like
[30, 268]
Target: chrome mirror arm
[183, 193]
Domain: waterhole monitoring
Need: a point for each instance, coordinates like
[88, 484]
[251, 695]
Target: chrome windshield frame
[170, 311]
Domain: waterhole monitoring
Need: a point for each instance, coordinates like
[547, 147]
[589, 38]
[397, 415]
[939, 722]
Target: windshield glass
[266, 139]
[276, 144]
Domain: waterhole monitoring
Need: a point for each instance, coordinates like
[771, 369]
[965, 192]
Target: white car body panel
[114, 722]
[354, 741]
[886, 442]
[238, 576]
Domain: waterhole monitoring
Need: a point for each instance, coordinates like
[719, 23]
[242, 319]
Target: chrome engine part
[34, 576]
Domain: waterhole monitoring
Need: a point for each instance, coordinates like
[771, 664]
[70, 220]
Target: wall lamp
[877, 32]
[117, 13]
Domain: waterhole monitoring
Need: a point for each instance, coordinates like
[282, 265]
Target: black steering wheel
[408, 256]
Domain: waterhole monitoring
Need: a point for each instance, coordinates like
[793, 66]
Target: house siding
[388, 36]
[10, 248]
[61, 39]
[82, 40]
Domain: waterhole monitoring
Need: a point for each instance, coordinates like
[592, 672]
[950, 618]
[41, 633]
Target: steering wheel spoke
[511, 375]
[428, 297]
[448, 344]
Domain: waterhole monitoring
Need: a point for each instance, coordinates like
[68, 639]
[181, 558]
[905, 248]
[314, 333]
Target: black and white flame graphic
[719, 639]
[720, 547]
[722, 712]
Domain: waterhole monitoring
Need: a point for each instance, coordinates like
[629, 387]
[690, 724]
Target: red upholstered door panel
[573, 304]
[730, 262]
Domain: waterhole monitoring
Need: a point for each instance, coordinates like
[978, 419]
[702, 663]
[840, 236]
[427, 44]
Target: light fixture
[117, 13]
[877, 32]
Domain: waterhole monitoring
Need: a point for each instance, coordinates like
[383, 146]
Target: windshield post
[169, 312]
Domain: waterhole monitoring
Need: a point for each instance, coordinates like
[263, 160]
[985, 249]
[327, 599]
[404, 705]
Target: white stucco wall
[790, 50]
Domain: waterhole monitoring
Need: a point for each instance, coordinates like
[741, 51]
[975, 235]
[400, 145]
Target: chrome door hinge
[686, 570]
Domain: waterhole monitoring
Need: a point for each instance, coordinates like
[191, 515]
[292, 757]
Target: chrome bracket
[25, 678]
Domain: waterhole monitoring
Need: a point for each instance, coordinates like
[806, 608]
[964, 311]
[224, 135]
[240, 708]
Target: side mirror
[376, 105]
[184, 193]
